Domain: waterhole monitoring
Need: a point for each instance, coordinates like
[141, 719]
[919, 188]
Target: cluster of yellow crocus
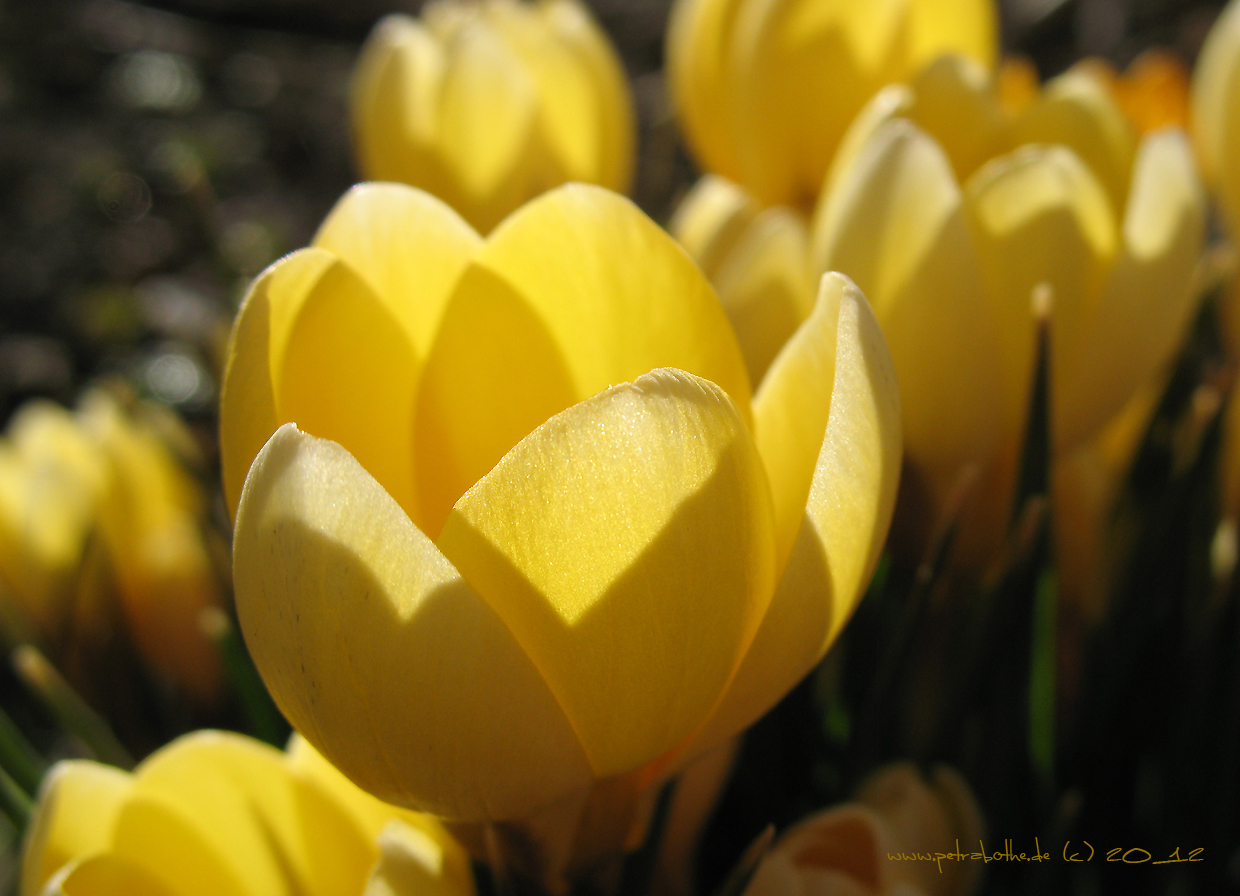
[101, 527]
[488, 104]
[765, 91]
[220, 814]
[530, 531]
[959, 215]
[884, 842]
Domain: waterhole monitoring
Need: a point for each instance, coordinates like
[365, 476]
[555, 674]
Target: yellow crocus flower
[221, 814]
[765, 91]
[552, 540]
[103, 479]
[487, 104]
[1216, 111]
[958, 216]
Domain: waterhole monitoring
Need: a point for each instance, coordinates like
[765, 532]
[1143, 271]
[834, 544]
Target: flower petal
[276, 832]
[765, 286]
[1075, 110]
[413, 862]
[1141, 317]
[1216, 109]
[107, 875]
[606, 537]
[1040, 219]
[78, 804]
[380, 653]
[408, 246]
[710, 219]
[827, 424]
[953, 100]
[575, 292]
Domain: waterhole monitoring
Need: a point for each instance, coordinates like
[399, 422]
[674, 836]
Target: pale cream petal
[413, 863]
[605, 537]
[954, 101]
[408, 246]
[709, 221]
[380, 653]
[577, 291]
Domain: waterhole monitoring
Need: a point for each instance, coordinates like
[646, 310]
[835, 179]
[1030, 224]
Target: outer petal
[575, 292]
[968, 27]
[765, 286]
[78, 804]
[313, 345]
[1142, 314]
[488, 120]
[896, 224]
[709, 221]
[274, 831]
[1216, 108]
[606, 537]
[953, 99]
[572, 23]
[699, 70]
[380, 653]
[408, 246]
[1040, 218]
[1075, 110]
[828, 426]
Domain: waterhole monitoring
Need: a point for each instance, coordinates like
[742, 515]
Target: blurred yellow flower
[957, 217]
[847, 850]
[1216, 111]
[221, 814]
[95, 506]
[507, 577]
[765, 91]
[487, 104]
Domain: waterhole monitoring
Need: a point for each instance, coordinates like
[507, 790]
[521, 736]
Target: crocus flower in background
[487, 594]
[222, 814]
[488, 104]
[765, 91]
[102, 527]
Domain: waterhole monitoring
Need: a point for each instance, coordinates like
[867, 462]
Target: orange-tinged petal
[576, 291]
[605, 537]
[408, 246]
[78, 805]
[827, 423]
[380, 653]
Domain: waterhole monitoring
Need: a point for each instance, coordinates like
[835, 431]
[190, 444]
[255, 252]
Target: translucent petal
[709, 221]
[828, 428]
[1141, 317]
[606, 537]
[408, 246]
[577, 291]
[380, 653]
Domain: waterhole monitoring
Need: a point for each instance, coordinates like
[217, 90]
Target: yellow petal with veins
[78, 805]
[605, 538]
[380, 653]
[555, 305]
